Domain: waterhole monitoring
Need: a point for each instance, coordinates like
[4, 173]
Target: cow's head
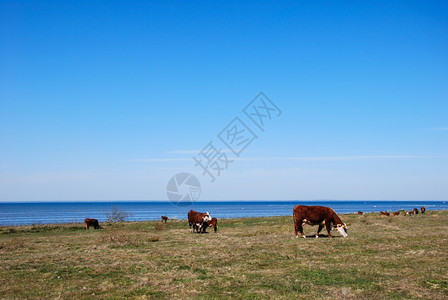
[206, 217]
[342, 229]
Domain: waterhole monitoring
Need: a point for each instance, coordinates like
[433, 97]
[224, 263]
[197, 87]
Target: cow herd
[302, 215]
[397, 213]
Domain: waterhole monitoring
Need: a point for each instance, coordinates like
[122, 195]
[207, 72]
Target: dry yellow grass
[259, 258]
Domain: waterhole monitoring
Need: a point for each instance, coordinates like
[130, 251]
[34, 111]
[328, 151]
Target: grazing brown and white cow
[383, 213]
[397, 213]
[164, 218]
[410, 212]
[317, 215]
[423, 210]
[360, 213]
[91, 222]
[213, 222]
[197, 219]
[415, 211]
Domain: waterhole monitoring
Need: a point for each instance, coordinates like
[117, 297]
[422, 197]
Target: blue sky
[107, 100]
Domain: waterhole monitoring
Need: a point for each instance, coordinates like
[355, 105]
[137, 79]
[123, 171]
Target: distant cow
[317, 215]
[164, 218]
[397, 213]
[415, 211]
[423, 210]
[360, 213]
[383, 213]
[91, 222]
[213, 222]
[197, 219]
[410, 212]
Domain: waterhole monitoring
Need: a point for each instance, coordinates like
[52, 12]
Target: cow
[397, 213]
[164, 218]
[360, 213]
[410, 212]
[404, 213]
[415, 211]
[197, 219]
[383, 213]
[317, 215]
[423, 210]
[213, 222]
[91, 222]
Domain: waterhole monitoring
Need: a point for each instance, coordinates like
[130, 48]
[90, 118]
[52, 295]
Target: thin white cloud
[184, 151]
[303, 158]
[160, 159]
[343, 158]
[194, 151]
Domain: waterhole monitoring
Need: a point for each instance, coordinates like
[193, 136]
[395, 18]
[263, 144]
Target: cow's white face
[207, 217]
[342, 229]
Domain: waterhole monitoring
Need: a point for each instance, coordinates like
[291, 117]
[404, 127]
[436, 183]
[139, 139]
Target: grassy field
[259, 258]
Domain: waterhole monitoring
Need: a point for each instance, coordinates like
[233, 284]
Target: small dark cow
[411, 212]
[404, 213]
[397, 213]
[196, 220]
[383, 213]
[423, 210]
[213, 222]
[360, 213]
[415, 211]
[317, 215]
[91, 222]
[164, 218]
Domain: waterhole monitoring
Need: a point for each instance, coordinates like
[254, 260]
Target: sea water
[67, 212]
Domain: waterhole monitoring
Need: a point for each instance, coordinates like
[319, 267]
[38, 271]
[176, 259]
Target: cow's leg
[328, 227]
[296, 228]
[301, 231]
[197, 227]
[191, 229]
[299, 226]
[319, 230]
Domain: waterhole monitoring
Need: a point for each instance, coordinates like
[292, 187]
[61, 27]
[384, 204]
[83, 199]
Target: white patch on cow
[342, 229]
[207, 217]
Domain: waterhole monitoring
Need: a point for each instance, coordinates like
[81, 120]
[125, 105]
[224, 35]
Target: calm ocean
[67, 212]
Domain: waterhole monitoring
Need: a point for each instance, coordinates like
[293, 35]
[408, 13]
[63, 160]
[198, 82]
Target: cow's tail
[294, 216]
